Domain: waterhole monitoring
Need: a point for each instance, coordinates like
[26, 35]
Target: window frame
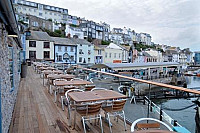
[45, 43]
[46, 54]
[30, 45]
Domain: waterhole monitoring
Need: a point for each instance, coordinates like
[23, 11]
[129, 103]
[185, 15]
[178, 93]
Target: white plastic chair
[70, 103]
[150, 119]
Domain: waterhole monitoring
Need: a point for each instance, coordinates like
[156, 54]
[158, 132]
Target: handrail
[145, 81]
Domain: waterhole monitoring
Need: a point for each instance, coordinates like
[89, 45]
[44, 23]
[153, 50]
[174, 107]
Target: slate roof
[40, 36]
[81, 41]
[63, 41]
[140, 64]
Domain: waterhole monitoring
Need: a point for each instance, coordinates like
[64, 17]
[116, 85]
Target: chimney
[68, 35]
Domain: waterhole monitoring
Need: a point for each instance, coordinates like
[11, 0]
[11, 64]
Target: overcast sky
[171, 22]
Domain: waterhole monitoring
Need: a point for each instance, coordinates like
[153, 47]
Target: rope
[169, 109]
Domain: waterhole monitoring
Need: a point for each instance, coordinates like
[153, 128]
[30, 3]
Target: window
[106, 55]
[54, 14]
[88, 60]
[40, 6]
[80, 44]
[32, 55]
[80, 59]
[45, 12]
[50, 13]
[30, 10]
[72, 58]
[115, 54]
[32, 43]
[99, 52]
[119, 55]
[81, 51]
[40, 14]
[65, 49]
[110, 55]
[47, 54]
[59, 48]
[59, 58]
[35, 24]
[46, 45]
[34, 10]
[72, 49]
[89, 45]
[43, 25]
[89, 52]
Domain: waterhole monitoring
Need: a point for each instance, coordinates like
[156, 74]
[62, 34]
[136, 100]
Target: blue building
[197, 58]
[65, 50]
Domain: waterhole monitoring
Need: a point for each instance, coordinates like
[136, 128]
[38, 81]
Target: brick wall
[8, 97]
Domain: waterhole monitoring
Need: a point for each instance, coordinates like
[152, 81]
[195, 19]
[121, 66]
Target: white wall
[39, 49]
[85, 54]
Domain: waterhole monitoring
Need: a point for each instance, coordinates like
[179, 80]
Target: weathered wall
[8, 97]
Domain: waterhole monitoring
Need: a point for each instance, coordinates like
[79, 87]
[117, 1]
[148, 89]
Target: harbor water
[176, 107]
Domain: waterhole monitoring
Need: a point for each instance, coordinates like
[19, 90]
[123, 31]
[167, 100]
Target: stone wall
[8, 96]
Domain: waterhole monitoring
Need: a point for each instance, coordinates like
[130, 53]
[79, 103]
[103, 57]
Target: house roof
[146, 54]
[141, 65]
[63, 41]
[81, 41]
[100, 47]
[40, 36]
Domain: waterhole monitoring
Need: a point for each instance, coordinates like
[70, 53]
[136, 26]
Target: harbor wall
[8, 93]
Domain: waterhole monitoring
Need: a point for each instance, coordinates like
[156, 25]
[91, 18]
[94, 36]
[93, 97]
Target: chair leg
[83, 120]
[55, 97]
[101, 123]
[109, 123]
[50, 89]
[68, 110]
[124, 120]
[62, 103]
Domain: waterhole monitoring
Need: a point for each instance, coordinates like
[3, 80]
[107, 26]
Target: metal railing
[163, 116]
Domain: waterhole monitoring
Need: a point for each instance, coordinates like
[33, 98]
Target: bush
[105, 42]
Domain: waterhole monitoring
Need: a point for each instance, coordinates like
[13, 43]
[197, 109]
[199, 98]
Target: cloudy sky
[171, 22]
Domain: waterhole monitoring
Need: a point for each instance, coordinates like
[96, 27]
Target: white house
[145, 38]
[85, 51]
[74, 31]
[99, 54]
[115, 54]
[56, 14]
[116, 38]
[156, 55]
[39, 45]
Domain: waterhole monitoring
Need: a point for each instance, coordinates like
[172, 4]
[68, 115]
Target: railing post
[151, 109]
[175, 122]
[161, 114]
